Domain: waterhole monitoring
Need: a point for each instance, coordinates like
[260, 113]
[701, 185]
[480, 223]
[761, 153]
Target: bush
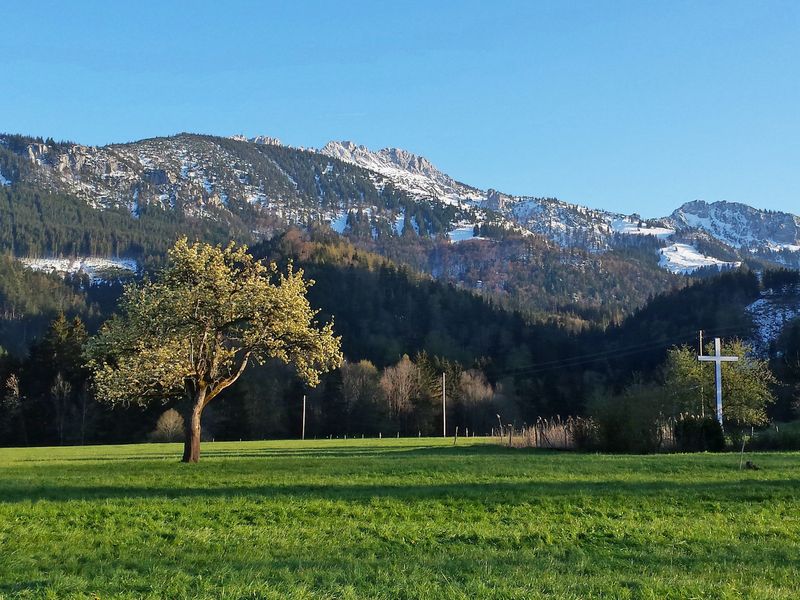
[698, 434]
[629, 422]
[585, 434]
[780, 436]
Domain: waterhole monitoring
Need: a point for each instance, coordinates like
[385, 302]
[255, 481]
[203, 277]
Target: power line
[602, 355]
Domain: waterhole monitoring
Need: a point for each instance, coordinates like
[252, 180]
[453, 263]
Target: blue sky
[631, 106]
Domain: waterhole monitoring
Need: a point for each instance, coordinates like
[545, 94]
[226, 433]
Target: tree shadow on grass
[315, 452]
[501, 492]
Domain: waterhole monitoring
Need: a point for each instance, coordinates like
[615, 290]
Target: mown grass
[394, 519]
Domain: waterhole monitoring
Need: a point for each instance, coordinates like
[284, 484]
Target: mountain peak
[740, 225]
[409, 171]
[259, 139]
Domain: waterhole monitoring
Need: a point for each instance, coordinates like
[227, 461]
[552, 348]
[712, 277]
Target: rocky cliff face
[410, 172]
[739, 225]
[201, 176]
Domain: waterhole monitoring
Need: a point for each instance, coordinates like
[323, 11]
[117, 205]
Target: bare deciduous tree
[60, 392]
[400, 385]
[170, 427]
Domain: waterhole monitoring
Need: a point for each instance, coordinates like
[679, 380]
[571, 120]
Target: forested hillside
[396, 325]
[419, 286]
[133, 200]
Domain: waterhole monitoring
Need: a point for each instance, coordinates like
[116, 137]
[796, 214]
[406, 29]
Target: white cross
[718, 359]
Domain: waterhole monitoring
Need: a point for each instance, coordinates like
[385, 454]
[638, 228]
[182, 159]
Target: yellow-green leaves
[746, 384]
[209, 313]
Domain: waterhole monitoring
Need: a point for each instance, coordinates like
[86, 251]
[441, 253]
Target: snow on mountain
[741, 226]
[201, 176]
[409, 172]
[3, 180]
[463, 231]
[259, 139]
[684, 259]
[571, 224]
[770, 313]
[97, 268]
[629, 226]
[338, 221]
[205, 177]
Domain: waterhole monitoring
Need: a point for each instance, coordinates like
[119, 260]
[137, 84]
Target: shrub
[780, 436]
[629, 422]
[698, 434]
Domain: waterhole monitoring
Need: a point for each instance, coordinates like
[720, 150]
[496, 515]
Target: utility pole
[444, 407]
[718, 359]
[304, 418]
[702, 387]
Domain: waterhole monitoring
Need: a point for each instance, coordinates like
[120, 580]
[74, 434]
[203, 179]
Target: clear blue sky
[631, 106]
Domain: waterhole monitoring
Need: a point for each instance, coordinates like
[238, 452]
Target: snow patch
[134, 206]
[259, 198]
[770, 314]
[97, 268]
[628, 227]
[399, 220]
[3, 180]
[684, 259]
[463, 231]
[339, 221]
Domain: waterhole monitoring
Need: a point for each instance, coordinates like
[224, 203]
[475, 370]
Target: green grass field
[394, 519]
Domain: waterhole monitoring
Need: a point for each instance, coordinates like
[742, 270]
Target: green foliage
[746, 384]
[786, 365]
[780, 280]
[30, 300]
[192, 332]
[39, 223]
[210, 311]
[698, 434]
[47, 400]
[714, 305]
[630, 421]
[777, 436]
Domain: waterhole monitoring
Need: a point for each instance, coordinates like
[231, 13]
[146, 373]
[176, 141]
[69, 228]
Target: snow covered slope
[741, 226]
[97, 268]
[564, 223]
[572, 224]
[684, 259]
[409, 172]
[770, 313]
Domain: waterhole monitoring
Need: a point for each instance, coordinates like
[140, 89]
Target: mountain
[740, 232]
[409, 172]
[768, 235]
[544, 256]
[741, 226]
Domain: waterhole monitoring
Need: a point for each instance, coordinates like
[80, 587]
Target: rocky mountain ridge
[385, 192]
[743, 230]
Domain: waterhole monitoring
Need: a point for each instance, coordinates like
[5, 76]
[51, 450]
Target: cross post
[718, 359]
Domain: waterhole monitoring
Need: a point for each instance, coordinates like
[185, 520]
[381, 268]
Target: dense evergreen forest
[400, 331]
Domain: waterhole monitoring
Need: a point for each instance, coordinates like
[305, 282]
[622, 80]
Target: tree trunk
[191, 444]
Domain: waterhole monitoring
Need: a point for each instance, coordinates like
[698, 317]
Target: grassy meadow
[416, 518]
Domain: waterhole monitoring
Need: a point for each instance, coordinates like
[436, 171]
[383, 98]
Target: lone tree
[192, 332]
[746, 384]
